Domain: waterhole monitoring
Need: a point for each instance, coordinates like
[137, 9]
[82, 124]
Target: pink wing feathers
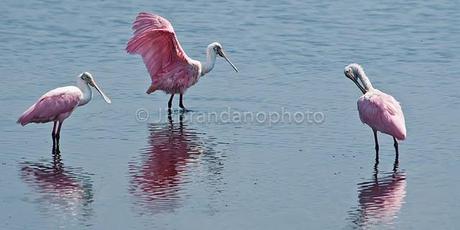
[56, 104]
[383, 113]
[155, 40]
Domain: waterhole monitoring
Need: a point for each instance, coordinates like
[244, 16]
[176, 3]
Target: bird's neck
[210, 61]
[365, 80]
[86, 90]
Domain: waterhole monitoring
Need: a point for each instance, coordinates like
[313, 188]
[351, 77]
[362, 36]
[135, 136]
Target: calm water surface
[116, 172]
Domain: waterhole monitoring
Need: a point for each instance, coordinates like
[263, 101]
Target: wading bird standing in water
[56, 105]
[377, 109]
[171, 70]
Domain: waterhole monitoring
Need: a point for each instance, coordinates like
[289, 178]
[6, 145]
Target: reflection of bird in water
[380, 199]
[171, 151]
[62, 191]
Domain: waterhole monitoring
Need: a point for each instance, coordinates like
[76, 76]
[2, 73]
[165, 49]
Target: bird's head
[88, 79]
[353, 72]
[219, 50]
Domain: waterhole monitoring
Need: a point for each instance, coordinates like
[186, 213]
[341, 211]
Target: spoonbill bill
[58, 104]
[171, 70]
[378, 110]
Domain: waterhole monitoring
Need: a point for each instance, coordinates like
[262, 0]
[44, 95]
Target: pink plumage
[377, 109]
[170, 69]
[55, 105]
[58, 104]
[382, 112]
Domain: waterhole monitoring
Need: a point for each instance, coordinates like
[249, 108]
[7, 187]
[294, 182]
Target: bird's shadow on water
[380, 199]
[159, 175]
[60, 191]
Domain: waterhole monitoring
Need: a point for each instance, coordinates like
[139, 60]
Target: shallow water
[121, 172]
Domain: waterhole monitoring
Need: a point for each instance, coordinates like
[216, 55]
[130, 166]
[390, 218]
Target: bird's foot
[185, 110]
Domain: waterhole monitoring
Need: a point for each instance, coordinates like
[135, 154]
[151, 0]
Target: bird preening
[378, 110]
[170, 69]
[58, 104]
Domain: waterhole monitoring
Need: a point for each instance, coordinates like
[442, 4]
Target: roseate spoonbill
[378, 110]
[171, 70]
[56, 105]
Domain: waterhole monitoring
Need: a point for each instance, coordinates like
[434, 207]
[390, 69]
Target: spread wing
[155, 40]
[382, 112]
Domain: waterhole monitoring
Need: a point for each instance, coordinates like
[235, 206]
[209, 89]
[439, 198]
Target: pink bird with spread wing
[377, 109]
[58, 104]
[170, 69]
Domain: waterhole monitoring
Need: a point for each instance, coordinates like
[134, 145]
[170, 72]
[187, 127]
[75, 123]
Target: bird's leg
[376, 146]
[181, 102]
[53, 135]
[170, 102]
[396, 149]
[58, 132]
[53, 132]
[396, 164]
[58, 136]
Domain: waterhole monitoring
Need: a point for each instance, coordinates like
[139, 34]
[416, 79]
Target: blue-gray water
[116, 172]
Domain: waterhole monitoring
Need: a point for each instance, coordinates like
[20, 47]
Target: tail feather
[151, 89]
[26, 117]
